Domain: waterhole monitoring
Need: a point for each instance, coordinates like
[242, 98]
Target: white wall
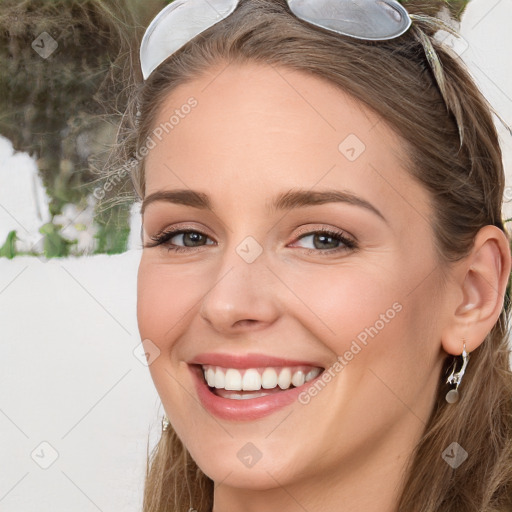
[68, 374]
[486, 28]
[69, 377]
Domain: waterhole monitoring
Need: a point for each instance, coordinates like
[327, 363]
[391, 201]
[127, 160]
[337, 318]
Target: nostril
[243, 323]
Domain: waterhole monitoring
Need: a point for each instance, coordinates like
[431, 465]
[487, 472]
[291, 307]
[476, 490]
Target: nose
[242, 296]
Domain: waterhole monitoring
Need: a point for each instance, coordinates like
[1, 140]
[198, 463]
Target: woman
[325, 265]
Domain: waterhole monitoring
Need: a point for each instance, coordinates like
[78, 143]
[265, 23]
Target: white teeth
[254, 379]
[210, 377]
[298, 378]
[233, 380]
[269, 379]
[285, 378]
[219, 378]
[251, 381]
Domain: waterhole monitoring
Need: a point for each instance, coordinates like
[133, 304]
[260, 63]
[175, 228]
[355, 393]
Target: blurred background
[78, 409]
[63, 86]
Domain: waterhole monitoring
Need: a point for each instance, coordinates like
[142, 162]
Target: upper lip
[244, 361]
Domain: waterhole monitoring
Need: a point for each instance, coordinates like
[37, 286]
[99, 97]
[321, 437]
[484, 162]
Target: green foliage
[55, 245]
[113, 230]
[8, 250]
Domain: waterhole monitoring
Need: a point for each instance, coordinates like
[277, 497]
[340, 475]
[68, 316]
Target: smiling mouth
[248, 383]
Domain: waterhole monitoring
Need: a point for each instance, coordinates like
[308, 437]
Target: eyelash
[163, 237]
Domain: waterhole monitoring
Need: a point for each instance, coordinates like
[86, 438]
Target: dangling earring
[456, 378]
[165, 423]
[138, 114]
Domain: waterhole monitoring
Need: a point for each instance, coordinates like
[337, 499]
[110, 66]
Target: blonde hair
[465, 179]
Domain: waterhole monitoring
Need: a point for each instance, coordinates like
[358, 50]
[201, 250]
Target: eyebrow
[282, 202]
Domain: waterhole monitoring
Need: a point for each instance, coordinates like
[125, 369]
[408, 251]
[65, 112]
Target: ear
[480, 280]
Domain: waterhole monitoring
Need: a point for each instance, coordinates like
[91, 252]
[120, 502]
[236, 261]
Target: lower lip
[243, 410]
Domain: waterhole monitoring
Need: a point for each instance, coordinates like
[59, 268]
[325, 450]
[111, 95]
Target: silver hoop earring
[165, 423]
[456, 377]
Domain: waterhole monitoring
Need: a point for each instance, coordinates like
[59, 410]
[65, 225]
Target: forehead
[274, 127]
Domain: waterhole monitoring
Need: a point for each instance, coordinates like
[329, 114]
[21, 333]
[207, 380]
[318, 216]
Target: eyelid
[162, 237]
[180, 227]
[311, 229]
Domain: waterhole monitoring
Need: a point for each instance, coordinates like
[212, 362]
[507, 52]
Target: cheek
[372, 317]
[346, 303]
[165, 300]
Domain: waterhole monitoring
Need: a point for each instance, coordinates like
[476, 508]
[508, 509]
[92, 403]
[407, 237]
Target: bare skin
[258, 132]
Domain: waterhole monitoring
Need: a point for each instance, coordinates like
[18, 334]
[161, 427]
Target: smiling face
[305, 240]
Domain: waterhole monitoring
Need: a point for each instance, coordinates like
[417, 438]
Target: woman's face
[307, 247]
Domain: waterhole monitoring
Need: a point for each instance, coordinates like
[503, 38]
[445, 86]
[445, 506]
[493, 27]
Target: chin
[263, 475]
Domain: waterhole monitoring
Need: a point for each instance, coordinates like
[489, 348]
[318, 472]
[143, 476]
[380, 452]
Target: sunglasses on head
[182, 20]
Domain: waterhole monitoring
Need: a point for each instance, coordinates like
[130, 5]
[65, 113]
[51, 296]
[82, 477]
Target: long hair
[454, 153]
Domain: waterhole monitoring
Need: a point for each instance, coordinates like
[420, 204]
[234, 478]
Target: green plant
[8, 250]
